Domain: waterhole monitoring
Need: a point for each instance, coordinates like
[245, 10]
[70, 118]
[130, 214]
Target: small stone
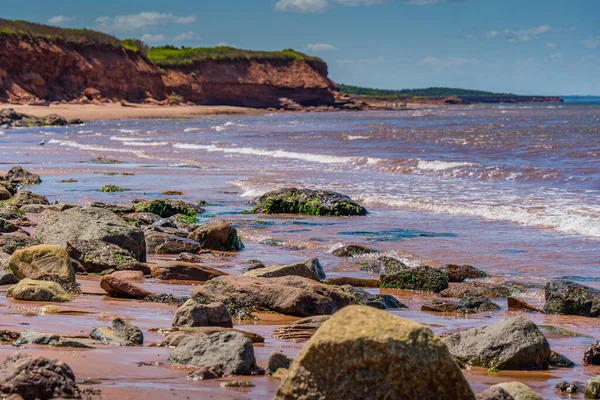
[193, 314]
[567, 387]
[592, 388]
[592, 354]
[278, 360]
[493, 393]
[117, 287]
[518, 304]
[120, 333]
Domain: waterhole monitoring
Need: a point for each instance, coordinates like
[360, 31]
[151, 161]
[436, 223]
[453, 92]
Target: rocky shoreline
[47, 249]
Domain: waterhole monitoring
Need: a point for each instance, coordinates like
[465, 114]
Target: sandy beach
[115, 111]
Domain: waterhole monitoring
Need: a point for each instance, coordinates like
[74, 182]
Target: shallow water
[513, 190]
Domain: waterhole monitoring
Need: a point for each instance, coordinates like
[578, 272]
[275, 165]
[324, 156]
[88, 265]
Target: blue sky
[518, 46]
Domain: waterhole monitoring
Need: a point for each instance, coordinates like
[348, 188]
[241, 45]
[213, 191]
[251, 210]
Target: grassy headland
[433, 92]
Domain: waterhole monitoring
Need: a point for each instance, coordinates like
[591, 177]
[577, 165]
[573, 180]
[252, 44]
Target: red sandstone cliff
[34, 69]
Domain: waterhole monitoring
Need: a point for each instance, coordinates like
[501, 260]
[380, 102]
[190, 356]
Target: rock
[560, 361]
[592, 354]
[237, 384]
[405, 360]
[460, 290]
[291, 295]
[519, 391]
[166, 208]
[560, 332]
[592, 388]
[516, 303]
[417, 278]
[37, 378]
[8, 226]
[91, 224]
[120, 333]
[352, 250]
[566, 297]
[21, 177]
[175, 337]
[97, 256]
[207, 372]
[194, 314]
[231, 350]
[6, 278]
[355, 282]
[30, 336]
[163, 243]
[567, 387]
[300, 330]
[310, 269]
[179, 270]
[479, 303]
[43, 262]
[140, 219]
[513, 344]
[18, 240]
[280, 374]
[364, 298]
[253, 265]
[445, 306]
[42, 291]
[308, 202]
[131, 276]
[494, 393]
[460, 273]
[25, 197]
[4, 193]
[217, 236]
[54, 120]
[278, 360]
[117, 287]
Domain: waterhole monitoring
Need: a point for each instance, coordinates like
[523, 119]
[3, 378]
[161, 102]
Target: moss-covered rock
[112, 189]
[43, 262]
[592, 388]
[42, 291]
[166, 208]
[519, 391]
[308, 202]
[98, 256]
[310, 269]
[364, 353]
[417, 278]
[570, 298]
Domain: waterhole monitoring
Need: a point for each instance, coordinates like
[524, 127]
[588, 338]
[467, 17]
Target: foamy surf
[442, 165]
[80, 146]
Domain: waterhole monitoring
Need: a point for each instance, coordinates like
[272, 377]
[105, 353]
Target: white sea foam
[127, 139]
[80, 146]
[354, 137]
[146, 144]
[192, 129]
[85, 131]
[129, 130]
[1, 132]
[442, 165]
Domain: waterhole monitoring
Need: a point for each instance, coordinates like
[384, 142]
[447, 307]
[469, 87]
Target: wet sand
[115, 111]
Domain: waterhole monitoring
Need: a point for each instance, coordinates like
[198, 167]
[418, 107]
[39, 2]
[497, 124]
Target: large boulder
[310, 269]
[166, 208]
[592, 388]
[119, 333]
[98, 256]
[91, 223]
[42, 291]
[21, 177]
[364, 353]
[43, 262]
[232, 350]
[309, 202]
[18, 240]
[513, 344]
[219, 235]
[37, 378]
[566, 297]
[193, 314]
[494, 393]
[26, 197]
[164, 243]
[519, 391]
[291, 295]
[118, 287]
[416, 278]
[179, 270]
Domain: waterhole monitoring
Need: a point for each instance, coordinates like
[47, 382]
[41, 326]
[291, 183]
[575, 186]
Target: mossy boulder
[416, 278]
[310, 269]
[308, 202]
[570, 298]
[519, 391]
[167, 208]
[364, 353]
[42, 291]
[43, 262]
[112, 189]
[26, 197]
[513, 344]
[98, 256]
[218, 235]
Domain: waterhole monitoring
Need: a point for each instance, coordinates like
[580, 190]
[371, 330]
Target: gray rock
[30, 336]
[352, 250]
[310, 269]
[479, 303]
[194, 314]
[560, 361]
[41, 291]
[164, 243]
[592, 354]
[445, 306]
[514, 343]
[364, 298]
[519, 391]
[592, 388]
[494, 393]
[37, 378]
[21, 177]
[278, 360]
[16, 241]
[232, 350]
[570, 298]
[91, 224]
[567, 387]
[460, 273]
[120, 333]
[26, 197]
[97, 256]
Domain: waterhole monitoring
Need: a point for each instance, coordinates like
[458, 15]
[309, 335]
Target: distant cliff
[41, 63]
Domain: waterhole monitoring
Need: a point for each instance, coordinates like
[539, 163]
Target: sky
[544, 47]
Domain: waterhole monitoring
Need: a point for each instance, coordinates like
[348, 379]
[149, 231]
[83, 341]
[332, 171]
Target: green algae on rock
[308, 202]
[30, 290]
[113, 189]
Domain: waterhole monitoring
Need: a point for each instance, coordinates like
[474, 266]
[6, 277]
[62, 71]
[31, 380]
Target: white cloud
[60, 20]
[320, 47]
[591, 43]
[186, 37]
[223, 44]
[150, 38]
[141, 20]
[354, 3]
[448, 62]
[302, 6]
[551, 45]
[523, 35]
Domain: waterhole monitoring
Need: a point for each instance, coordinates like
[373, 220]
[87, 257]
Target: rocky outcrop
[519, 391]
[405, 361]
[566, 297]
[307, 201]
[37, 378]
[91, 223]
[21, 177]
[513, 344]
[352, 250]
[164, 243]
[494, 393]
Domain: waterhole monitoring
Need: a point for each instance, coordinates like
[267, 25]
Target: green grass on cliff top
[167, 56]
[411, 93]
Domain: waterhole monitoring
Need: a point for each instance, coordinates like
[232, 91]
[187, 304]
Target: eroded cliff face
[34, 69]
